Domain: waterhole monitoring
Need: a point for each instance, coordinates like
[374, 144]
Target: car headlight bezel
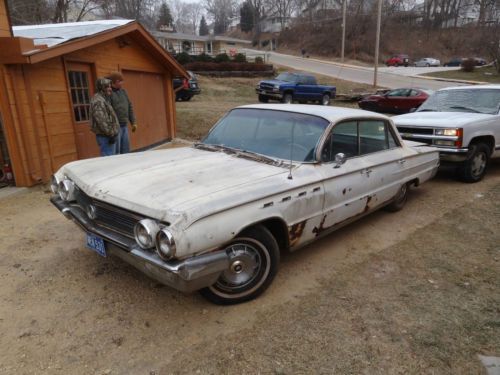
[54, 184]
[165, 244]
[448, 132]
[66, 190]
[145, 232]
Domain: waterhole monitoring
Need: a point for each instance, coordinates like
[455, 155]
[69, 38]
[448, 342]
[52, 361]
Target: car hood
[176, 185]
[440, 119]
[274, 81]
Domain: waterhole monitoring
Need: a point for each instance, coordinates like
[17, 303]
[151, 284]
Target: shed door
[147, 93]
[81, 87]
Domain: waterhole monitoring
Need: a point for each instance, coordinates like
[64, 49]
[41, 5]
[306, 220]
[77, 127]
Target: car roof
[478, 87]
[332, 114]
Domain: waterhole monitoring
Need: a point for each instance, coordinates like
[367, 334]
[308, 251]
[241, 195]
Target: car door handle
[402, 161]
[367, 171]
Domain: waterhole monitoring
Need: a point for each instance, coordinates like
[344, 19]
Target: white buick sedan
[214, 217]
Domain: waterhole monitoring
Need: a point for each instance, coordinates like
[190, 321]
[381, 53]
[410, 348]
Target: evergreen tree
[203, 26]
[246, 16]
[165, 17]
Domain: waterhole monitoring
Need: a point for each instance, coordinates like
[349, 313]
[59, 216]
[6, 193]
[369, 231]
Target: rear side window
[356, 138]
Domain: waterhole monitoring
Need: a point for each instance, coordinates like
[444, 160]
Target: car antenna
[290, 177]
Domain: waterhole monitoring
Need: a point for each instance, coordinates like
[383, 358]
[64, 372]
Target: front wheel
[263, 98]
[325, 99]
[287, 99]
[253, 264]
[474, 168]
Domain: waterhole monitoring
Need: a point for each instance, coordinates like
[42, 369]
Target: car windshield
[288, 77]
[273, 134]
[467, 100]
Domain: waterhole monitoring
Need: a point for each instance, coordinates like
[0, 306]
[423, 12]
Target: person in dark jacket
[124, 111]
[103, 120]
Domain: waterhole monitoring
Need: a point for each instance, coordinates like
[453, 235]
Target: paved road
[387, 77]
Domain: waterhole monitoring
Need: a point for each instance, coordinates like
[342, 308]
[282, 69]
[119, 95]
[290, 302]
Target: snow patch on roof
[57, 33]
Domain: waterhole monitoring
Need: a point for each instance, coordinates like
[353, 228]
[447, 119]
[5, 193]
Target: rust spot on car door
[296, 232]
[317, 230]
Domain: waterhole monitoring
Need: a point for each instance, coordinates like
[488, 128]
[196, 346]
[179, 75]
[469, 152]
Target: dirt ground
[406, 293]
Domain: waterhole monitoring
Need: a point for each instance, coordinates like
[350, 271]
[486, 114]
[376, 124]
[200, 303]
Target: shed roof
[52, 40]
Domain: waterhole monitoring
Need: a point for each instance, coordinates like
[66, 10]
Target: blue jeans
[104, 146]
[122, 142]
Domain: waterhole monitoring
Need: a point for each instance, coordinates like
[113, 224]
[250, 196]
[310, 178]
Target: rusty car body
[214, 217]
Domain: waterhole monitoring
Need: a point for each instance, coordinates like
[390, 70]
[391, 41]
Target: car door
[394, 100]
[371, 173]
[301, 89]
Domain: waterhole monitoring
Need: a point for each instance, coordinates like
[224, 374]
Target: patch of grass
[482, 74]
[219, 95]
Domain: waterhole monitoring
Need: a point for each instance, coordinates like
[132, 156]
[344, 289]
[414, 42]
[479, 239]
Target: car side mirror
[340, 159]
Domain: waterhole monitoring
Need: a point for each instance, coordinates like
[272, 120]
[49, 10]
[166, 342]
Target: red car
[398, 60]
[395, 101]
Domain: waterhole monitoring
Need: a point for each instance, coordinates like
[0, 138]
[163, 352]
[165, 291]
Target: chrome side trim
[185, 275]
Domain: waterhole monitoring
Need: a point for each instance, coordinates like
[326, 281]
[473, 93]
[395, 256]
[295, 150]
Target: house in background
[47, 75]
[274, 24]
[197, 44]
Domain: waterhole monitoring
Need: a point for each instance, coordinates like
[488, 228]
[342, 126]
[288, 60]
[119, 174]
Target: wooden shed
[47, 75]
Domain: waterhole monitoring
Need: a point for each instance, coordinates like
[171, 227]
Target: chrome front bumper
[271, 94]
[184, 275]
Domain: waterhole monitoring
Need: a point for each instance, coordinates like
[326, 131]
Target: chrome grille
[109, 216]
[266, 86]
[407, 129]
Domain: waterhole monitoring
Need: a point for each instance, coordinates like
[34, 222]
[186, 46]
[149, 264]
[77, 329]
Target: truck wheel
[399, 200]
[325, 99]
[253, 263]
[474, 168]
[263, 98]
[287, 99]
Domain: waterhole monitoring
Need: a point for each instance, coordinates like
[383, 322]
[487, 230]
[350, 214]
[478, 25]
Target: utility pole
[377, 42]
[344, 7]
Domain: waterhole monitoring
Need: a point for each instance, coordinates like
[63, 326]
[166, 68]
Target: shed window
[80, 95]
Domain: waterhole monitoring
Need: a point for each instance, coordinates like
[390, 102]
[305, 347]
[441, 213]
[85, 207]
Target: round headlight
[165, 244]
[54, 184]
[66, 190]
[145, 233]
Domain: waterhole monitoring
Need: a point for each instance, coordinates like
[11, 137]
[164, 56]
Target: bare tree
[28, 12]
[221, 12]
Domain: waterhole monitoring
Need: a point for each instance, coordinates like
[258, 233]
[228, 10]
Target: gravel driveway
[410, 292]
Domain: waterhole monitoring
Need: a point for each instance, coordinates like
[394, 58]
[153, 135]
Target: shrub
[183, 58]
[222, 57]
[468, 65]
[259, 60]
[229, 66]
[204, 58]
[240, 57]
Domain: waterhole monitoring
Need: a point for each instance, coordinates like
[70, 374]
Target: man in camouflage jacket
[124, 111]
[103, 120]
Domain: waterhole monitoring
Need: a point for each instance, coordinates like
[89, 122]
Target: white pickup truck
[463, 122]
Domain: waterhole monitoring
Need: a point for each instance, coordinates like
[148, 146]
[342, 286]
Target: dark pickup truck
[186, 89]
[290, 87]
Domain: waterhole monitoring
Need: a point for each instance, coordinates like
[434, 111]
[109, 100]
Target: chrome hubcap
[478, 164]
[244, 265]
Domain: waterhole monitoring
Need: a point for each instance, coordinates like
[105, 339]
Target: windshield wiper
[256, 156]
[465, 108]
[426, 110]
[215, 147]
